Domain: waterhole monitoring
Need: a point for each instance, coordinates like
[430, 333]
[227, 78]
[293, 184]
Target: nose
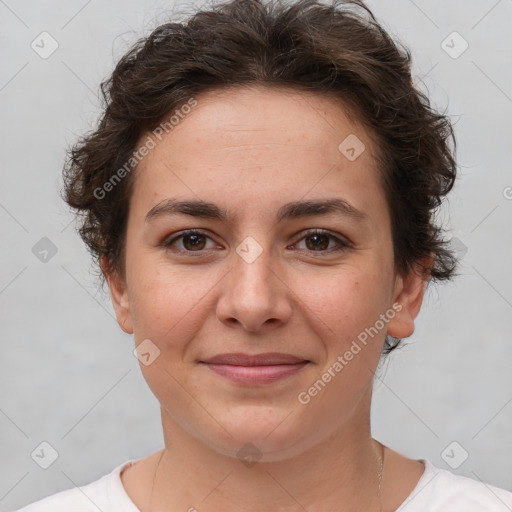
[255, 294]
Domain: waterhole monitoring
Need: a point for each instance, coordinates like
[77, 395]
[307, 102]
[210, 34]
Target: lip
[256, 369]
[265, 359]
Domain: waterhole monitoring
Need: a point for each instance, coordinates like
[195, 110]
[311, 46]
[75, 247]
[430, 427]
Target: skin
[250, 151]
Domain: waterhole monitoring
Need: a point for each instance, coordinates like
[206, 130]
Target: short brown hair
[338, 50]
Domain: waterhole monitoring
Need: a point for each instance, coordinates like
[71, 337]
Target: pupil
[316, 244]
[196, 240]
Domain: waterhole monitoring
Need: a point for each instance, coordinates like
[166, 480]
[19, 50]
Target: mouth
[255, 369]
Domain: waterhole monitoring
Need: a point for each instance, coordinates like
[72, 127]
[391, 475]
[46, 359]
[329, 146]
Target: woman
[260, 197]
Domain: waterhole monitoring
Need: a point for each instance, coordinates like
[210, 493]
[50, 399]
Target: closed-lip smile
[255, 369]
[264, 359]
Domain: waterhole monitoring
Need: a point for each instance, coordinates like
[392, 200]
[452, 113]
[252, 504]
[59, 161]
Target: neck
[342, 471]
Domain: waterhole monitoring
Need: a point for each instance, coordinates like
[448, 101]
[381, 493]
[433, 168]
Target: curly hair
[338, 50]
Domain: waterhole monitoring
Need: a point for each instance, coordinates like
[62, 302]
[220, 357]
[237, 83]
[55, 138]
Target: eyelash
[342, 244]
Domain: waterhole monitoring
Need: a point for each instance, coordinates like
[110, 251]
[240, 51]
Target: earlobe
[409, 293]
[119, 295]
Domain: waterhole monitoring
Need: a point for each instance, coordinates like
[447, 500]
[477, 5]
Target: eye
[317, 240]
[193, 240]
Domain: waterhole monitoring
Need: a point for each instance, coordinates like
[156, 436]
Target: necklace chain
[154, 478]
[381, 471]
[379, 492]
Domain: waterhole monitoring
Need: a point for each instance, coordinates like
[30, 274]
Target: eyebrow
[293, 210]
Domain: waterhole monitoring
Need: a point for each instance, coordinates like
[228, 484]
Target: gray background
[67, 372]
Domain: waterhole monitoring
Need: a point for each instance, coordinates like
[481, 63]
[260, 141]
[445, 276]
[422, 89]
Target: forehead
[255, 144]
[260, 114]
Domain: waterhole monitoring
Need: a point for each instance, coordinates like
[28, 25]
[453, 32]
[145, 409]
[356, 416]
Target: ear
[119, 294]
[409, 292]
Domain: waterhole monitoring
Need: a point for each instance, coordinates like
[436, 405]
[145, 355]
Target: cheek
[347, 300]
[168, 304]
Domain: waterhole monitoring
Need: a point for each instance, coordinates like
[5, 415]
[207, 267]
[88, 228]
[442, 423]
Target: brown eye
[317, 242]
[191, 241]
[320, 241]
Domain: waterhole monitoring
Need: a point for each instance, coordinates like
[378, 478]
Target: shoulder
[106, 494]
[440, 490]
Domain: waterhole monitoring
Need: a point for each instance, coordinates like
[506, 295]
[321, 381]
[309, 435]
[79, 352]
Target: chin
[262, 440]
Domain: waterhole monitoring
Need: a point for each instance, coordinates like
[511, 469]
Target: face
[268, 270]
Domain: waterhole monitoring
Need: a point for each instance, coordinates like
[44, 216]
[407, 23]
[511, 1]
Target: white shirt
[438, 490]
